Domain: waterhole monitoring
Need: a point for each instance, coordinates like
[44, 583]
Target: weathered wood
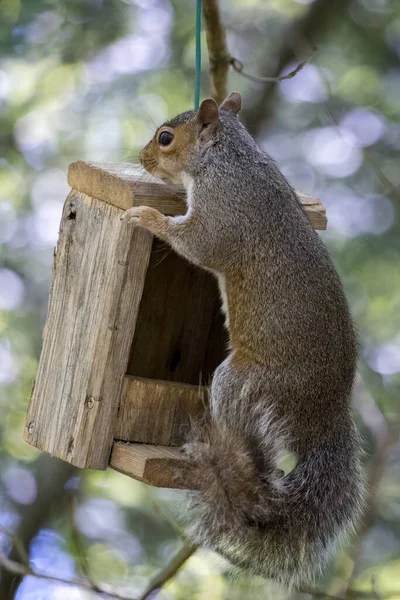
[124, 185]
[124, 307]
[172, 331]
[160, 466]
[315, 211]
[157, 412]
[98, 276]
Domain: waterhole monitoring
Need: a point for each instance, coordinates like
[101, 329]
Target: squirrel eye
[165, 138]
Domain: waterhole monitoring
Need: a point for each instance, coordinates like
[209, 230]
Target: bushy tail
[280, 527]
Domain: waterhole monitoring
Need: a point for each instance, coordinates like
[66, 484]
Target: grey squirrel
[286, 385]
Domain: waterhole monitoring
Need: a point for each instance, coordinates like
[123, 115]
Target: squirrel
[285, 389]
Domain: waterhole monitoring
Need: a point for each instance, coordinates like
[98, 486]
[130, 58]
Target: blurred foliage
[88, 79]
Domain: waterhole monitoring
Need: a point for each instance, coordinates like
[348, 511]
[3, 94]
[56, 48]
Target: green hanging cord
[198, 55]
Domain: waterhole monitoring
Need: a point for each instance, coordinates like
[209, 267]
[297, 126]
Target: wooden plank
[172, 332]
[160, 466]
[98, 277]
[316, 214]
[157, 412]
[124, 185]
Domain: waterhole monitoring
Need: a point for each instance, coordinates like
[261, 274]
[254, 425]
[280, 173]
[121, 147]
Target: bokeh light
[92, 80]
[11, 290]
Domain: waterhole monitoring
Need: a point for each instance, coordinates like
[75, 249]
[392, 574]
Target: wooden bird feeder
[133, 332]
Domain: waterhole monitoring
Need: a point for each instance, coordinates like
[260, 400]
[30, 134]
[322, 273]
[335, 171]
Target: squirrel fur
[286, 385]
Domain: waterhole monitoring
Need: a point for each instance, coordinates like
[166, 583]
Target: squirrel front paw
[144, 216]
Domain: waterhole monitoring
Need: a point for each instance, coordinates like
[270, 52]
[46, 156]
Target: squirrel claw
[145, 216]
[131, 216]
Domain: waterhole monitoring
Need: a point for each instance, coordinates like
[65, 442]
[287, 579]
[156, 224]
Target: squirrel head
[178, 142]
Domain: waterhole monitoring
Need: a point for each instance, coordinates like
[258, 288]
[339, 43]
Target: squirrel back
[285, 388]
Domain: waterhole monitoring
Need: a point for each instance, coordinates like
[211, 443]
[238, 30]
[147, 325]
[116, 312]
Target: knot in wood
[89, 402]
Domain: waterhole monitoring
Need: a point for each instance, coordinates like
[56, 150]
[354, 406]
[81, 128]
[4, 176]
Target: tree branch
[238, 66]
[159, 580]
[51, 475]
[221, 59]
[320, 17]
[169, 570]
[20, 570]
[217, 50]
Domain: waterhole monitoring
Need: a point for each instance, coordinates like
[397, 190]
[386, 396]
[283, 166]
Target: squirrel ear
[208, 113]
[232, 103]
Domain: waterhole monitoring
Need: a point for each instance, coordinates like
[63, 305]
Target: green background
[87, 79]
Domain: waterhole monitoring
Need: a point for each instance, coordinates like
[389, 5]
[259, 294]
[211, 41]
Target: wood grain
[157, 412]
[125, 185]
[98, 276]
[160, 466]
[178, 306]
[125, 309]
